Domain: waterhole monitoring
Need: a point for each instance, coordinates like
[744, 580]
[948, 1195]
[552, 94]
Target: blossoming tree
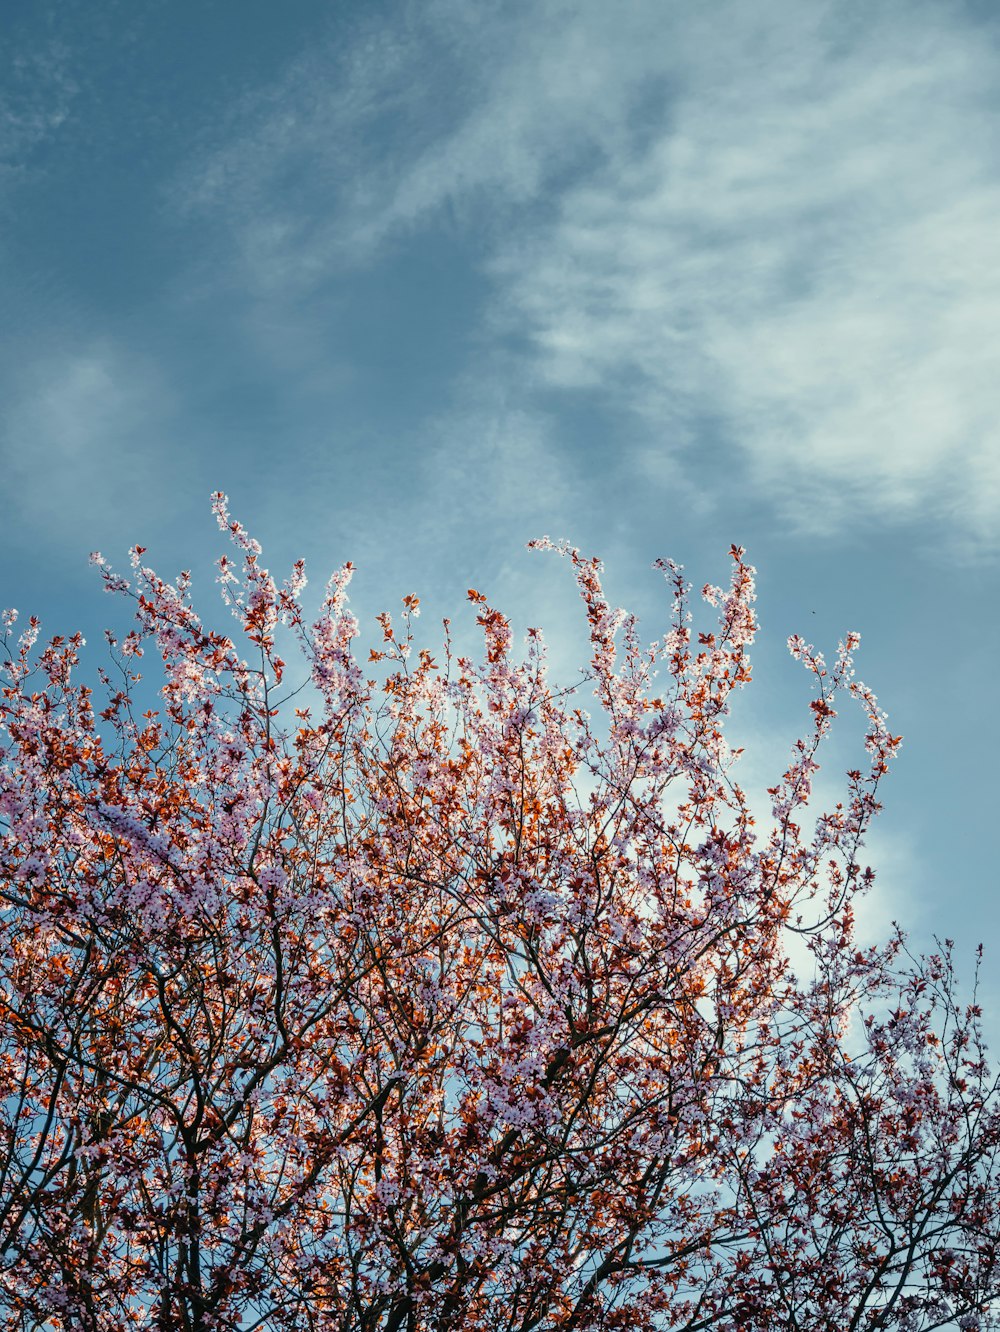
[436, 1004]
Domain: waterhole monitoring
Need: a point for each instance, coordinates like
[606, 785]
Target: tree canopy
[403, 993]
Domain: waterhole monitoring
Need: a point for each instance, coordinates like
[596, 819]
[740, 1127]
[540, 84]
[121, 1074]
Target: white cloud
[810, 252]
[79, 401]
[441, 107]
[781, 216]
[74, 439]
[290, 175]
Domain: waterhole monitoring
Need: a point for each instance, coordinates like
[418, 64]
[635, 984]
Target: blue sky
[416, 283]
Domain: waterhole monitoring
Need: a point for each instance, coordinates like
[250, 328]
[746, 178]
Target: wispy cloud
[36, 95]
[293, 174]
[441, 109]
[779, 216]
[74, 443]
[812, 253]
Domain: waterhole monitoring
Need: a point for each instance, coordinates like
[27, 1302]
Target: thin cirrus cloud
[362, 140]
[36, 95]
[779, 217]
